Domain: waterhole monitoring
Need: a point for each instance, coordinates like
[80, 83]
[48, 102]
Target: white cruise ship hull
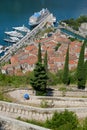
[38, 17]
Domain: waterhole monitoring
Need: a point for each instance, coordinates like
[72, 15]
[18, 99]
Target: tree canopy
[66, 69]
[81, 69]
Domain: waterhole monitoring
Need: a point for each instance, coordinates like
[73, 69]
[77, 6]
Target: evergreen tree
[45, 61]
[80, 69]
[86, 68]
[39, 53]
[66, 69]
[85, 72]
[39, 81]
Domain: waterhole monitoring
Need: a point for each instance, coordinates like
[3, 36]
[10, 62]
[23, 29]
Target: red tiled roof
[30, 60]
[31, 47]
[56, 59]
[7, 66]
[72, 62]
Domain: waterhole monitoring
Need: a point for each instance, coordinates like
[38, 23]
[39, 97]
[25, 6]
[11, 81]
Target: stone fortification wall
[67, 93]
[55, 93]
[12, 124]
[24, 111]
[73, 93]
[17, 110]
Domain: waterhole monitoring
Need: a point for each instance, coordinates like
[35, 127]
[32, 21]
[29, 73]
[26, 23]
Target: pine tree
[66, 69]
[45, 61]
[80, 69]
[39, 53]
[39, 80]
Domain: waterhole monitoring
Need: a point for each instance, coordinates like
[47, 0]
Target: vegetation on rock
[75, 23]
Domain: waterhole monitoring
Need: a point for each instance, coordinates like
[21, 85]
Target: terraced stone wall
[17, 110]
[12, 124]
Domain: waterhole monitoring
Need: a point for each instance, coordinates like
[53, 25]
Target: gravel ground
[18, 96]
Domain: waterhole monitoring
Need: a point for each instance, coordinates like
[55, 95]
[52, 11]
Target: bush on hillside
[52, 79]
[73, 77]
[64, 118]
[85, 124]
[15, 81]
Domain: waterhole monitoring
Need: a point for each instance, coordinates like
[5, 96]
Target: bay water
[17, 12]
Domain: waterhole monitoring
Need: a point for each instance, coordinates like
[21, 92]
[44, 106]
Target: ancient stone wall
[17, 110]
[12, 124]
[78, 93]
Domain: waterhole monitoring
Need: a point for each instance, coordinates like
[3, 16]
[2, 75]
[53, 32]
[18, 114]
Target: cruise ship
[37, 17]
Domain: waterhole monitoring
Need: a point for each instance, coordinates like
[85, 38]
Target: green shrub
[73, 77]
[60, 121]
[53, 79]
[44, 104]
[15, 81]
[59, 76]
[67, 126]
[85, 124]
[63, 118]
[32, 121]
[4, 97]
[57, 46]
[63, 90]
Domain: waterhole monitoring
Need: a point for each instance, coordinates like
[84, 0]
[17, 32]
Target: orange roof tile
[31, 47]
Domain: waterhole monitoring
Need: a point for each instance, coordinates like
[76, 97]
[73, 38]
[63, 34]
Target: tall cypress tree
[66, 69]
[39, 53]
[80, 69]
[46, 61]
[86, 68]
[85, 72]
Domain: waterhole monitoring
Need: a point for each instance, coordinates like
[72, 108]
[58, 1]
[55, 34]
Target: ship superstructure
[37, 17]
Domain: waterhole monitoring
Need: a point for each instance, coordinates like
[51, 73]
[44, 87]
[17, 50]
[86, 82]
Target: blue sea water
[73, 34]
[17, 12]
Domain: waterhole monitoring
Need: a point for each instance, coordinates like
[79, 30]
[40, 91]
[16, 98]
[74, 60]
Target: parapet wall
[24, 111]
[17, 110]
[12, 124]
[78, 93]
